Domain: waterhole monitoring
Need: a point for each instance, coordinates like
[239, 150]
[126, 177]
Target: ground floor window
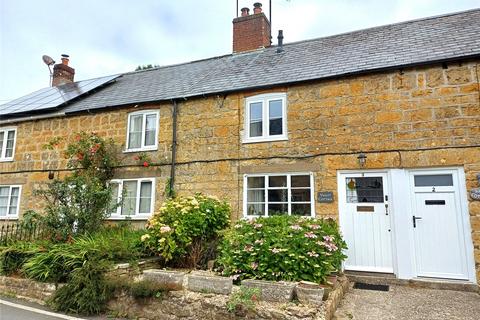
[136, 197]
[9, 201]
[278, 194]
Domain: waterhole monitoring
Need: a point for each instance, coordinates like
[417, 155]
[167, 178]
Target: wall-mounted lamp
[51, 175]
[362, 159]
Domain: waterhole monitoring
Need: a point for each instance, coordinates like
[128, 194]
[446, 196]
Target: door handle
[386, 209]
[415, 221]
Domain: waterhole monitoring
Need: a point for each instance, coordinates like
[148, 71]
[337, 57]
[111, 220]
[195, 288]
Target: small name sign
[325, 197]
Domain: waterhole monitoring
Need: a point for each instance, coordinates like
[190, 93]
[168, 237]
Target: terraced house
[378, 128]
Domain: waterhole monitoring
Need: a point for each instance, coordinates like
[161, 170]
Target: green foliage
[146, 67]
[243, 298]
[86, 291]
[184, 227]
[92, 156]
[145, 289]
[111, 244]
[80, 202]
[13, 256]
[285, 248]
[74, 206]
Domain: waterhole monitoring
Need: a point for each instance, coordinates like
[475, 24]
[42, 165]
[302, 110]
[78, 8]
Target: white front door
[438, 225]
[365, 221]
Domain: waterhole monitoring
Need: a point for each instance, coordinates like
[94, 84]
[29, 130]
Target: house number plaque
[475, 193]
[325, 197]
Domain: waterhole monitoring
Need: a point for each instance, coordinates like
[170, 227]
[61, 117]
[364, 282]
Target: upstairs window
[266, 118]
[142, 131]
[7, 143]
[136, 196]
[9, 201]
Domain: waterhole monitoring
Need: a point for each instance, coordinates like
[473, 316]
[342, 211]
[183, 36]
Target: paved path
[409, 303]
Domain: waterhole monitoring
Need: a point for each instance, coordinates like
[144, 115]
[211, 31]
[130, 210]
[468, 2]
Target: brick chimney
[62, 73]
[251, 31]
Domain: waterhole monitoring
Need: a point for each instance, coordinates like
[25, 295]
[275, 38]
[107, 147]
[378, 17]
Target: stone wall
[417, 117]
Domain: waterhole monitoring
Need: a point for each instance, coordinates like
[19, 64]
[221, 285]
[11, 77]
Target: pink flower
[328, 238]
[314, 227]
[235, 276]
[248, 248]
[260, 242]
[254, 265]
[258, 225]
[296, 227]
[310, 235]
[312, 254]
[165, 229]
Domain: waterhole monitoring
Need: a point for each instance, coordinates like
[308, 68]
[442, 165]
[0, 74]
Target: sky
[106, 37]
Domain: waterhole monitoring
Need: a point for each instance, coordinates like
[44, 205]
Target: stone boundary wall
[26, 289]
[189, 305]
[134, 270]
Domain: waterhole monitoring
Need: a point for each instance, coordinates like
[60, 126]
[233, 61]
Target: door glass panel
[436, 180]
[2, 134]
[364, 189]
[135, 134]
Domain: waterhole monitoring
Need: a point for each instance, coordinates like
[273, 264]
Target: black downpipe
[174, 148]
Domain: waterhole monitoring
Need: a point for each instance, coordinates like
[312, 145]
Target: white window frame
[15, 215]
[3, 157]
[265, 100]
[289, 190]
[144, 113]
[118, 215]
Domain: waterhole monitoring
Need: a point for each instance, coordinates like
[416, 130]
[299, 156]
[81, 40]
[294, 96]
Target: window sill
[264, 139]
[130, 218]
[141, 150]
[6, 160]
[3, 218]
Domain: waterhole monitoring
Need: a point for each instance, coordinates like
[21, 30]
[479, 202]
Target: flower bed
[282, 248]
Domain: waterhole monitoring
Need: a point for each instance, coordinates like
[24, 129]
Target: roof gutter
[32, 118]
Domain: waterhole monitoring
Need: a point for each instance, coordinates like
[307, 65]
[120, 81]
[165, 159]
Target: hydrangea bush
[284, 248]
[184, 227]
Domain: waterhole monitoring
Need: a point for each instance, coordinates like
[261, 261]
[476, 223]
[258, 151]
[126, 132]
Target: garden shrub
[86, 291]
[78, 203]
[112, 244]
[285, 248]
[13, 256]
[185, 227]
[243, 300]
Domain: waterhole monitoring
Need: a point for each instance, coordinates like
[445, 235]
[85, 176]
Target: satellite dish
[48, 60]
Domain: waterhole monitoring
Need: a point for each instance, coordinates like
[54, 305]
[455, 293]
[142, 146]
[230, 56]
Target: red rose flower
[145, 164]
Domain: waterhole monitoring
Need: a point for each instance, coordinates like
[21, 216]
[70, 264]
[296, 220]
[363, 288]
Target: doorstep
[390, 279]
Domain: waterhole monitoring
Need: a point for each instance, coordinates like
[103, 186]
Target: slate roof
[434, 39]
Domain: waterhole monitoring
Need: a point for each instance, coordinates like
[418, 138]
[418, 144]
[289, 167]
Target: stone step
[442, 284]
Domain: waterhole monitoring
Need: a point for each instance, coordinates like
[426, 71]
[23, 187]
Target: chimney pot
[257, 7]
[65, 59]
[245, 12]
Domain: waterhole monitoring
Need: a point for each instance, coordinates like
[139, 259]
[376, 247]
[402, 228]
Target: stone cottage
[378, 128]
